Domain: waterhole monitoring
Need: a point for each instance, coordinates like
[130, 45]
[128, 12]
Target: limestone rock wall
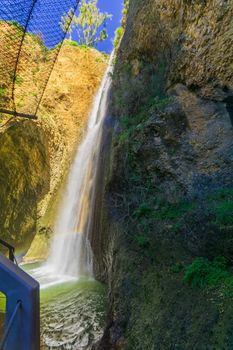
[168, 196]
[35, 157]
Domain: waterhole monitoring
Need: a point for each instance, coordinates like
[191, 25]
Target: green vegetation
[20, 102]
[176, 268]
[118, 36]
[74, 43]
[125, 13]
[159, 103]
[120, 30]
[151, 208]
[90, 25]
[168, 211]
[164, 210]
[18, 80]
[2, 92]
[224, 214]
[143, 210]
[221, 203]
[132, 124]
[216, 274]
[2, 303]
[16, 25]
[142, 241]
[137, 95]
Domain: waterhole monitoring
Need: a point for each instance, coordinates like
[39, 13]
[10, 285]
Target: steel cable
[31, 35]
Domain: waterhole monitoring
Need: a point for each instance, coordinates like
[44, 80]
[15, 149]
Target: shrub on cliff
[118, 35]
[203, 273]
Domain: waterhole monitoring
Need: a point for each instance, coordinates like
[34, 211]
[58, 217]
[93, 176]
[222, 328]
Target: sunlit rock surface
[35, 156]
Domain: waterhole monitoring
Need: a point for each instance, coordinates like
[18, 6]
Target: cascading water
[71, 253]
[72, 302]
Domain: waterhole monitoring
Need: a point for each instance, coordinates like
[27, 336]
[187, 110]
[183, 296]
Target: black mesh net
[31, 34]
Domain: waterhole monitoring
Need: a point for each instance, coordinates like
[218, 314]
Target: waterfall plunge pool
[73, 311]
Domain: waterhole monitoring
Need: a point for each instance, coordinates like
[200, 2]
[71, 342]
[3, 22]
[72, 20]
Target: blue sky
[46, 18]
[113, 7]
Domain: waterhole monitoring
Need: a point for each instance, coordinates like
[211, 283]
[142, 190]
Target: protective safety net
[31, 35]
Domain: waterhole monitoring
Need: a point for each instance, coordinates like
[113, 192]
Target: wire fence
[31, 35]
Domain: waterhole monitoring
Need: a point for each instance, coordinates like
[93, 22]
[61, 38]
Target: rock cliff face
[63, 116]
[35, 156]
[25, 176]
[167, 208]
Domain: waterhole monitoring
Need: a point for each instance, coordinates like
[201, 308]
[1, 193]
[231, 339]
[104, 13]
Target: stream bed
[72, 312]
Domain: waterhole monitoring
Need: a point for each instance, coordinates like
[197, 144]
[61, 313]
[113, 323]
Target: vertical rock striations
[168, 194]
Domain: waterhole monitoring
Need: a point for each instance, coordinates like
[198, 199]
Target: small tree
[66, 23]
[90, 24]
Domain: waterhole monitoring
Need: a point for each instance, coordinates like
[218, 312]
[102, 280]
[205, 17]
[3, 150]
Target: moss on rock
[25, 177]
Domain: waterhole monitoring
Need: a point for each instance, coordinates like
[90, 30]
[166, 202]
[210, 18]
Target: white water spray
[71, 254]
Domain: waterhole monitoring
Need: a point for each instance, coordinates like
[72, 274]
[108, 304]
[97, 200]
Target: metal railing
[22, 330]
[9, 325]
[11, 250]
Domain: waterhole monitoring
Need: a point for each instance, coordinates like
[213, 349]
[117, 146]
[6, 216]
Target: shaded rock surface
[168, 181]
[25, 177]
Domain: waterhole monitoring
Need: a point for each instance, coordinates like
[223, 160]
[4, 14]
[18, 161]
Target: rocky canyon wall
[36, 155]
[169, 190]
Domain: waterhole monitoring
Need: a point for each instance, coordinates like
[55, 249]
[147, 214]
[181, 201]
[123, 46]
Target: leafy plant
[17, 26]
[118, 35]
[177, 226]
[125, 13]
[72, 43]
[18, 80]
[2, 91]
[222, 194]
[159, 103]
[176, 268]
[224, 214]
[203, 273]
[143, 210]
[222, 206]
[171, 211]
[142, 241]
[90, 24]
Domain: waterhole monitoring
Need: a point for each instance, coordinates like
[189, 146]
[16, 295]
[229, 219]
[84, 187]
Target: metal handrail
[10, 323]
[11, 250]
[22, 322]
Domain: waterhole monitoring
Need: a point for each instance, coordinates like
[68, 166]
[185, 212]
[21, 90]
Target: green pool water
[2, 313]
[72, 313]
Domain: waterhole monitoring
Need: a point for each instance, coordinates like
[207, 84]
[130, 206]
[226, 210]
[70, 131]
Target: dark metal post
[11, 254]
[10, 248]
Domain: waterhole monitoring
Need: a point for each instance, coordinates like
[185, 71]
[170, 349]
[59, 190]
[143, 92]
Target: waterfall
[71, 253]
